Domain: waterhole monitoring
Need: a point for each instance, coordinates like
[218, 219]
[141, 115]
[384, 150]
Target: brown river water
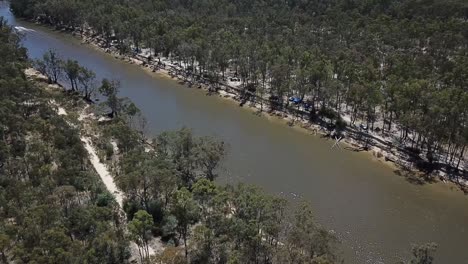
[375, 213]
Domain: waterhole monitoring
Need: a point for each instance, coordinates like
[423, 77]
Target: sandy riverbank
[155, 246]
[381, 148]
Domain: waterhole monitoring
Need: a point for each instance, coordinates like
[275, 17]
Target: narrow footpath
[102, 171]
[155, 245]
[108, 181]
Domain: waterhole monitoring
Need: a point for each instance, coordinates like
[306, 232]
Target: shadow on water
[411, 176]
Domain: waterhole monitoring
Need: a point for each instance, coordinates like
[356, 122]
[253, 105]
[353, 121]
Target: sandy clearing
[102, 171]
[61, 111]
[100, 168]
[108, 181]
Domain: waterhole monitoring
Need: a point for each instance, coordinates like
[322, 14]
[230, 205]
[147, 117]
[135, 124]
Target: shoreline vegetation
[388, 76]
[110, 151]
[112, 142]
[55, 209]
[381, 147]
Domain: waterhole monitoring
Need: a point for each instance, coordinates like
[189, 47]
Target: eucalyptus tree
[193, 157]
[71, 69]
[50, 65]
[48, 175]
[140, 230]
[186, 210]
[87, 83]
[110, 89]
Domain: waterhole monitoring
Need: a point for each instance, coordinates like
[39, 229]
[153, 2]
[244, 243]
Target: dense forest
[170, 199]
[55, 209]
[400, 67]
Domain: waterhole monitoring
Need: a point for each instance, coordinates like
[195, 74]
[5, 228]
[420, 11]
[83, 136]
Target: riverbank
[381, 147]
[85, 121]
[378, 147]
[374, 213]
[92, 123]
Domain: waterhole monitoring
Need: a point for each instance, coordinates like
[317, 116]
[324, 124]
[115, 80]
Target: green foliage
[120, 107]
[389, 61]
[54, 67]
[127, 138]
[238, 224]
[186, 210]
[381, 62]
[193, 157]
[309, 241]
[110, 89]
[53, 206]
[105, 199]
[71, 68]
[50, 66]
[86, 79]
[140, 231]
[169, 226]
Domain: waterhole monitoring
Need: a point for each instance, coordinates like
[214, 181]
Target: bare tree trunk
[460, 157]
[141, 255]
[390, 122]
[185, 245]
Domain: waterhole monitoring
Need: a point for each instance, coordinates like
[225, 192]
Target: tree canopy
[404, 61]
[394, 65]
[50, 209]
